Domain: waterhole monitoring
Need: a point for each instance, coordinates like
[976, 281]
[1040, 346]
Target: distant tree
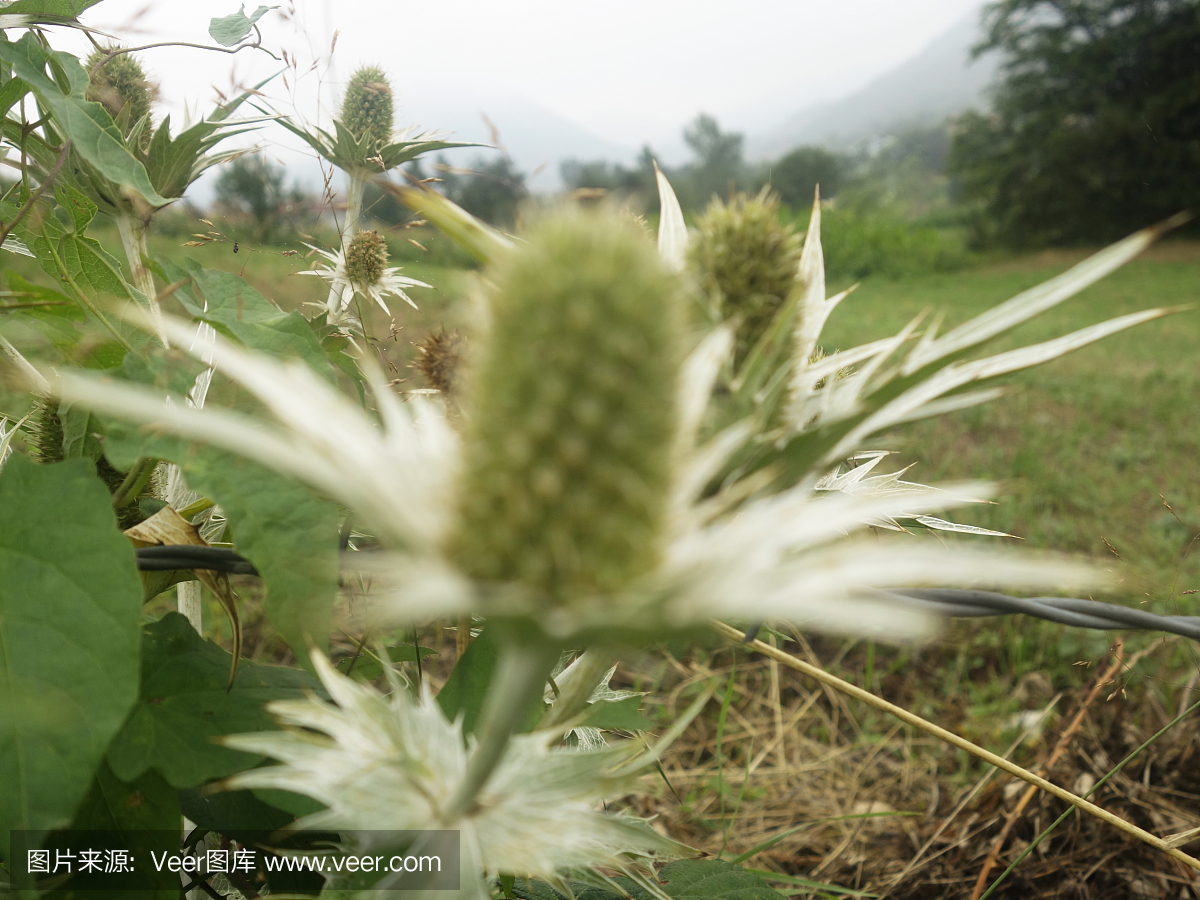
[491, 191]
[636, 181]
[1095, 128]
[253, 186]
[718, 158]
[795, 174]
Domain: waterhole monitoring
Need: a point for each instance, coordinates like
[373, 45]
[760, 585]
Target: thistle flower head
[122, 87]
[439, 359]
[567, 461]
[747, 258]
[393, 763]
[363, 269]
[366, 258]
[367, 106]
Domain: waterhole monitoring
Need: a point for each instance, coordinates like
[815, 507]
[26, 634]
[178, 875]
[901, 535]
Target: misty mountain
[533, 136]
[939, 81]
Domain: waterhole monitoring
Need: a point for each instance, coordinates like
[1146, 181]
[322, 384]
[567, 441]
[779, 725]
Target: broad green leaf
[70, 610]
[87, 124]
[465, 689]
[68, 9]
[183, 705]
[618, 714]
[232, 812]
[14, 89]
[144, 815]
[237, 309]
[230, 30]
[57, 323]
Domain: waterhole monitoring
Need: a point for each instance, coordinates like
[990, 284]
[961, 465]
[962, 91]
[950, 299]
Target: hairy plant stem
[136, 479]
[520, 680]
[576, 685]
[133, 239]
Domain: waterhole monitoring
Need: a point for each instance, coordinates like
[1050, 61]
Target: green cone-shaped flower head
[366, 258]
[572, 413]
[367, 106]
[121, 85]
[747, 258]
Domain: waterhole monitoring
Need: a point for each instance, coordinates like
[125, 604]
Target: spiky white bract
[395, 473]
[393, 763]
[343, 288]
[858, 482]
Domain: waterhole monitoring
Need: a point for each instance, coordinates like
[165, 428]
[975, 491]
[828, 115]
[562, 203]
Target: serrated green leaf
[79, 207]
[79, 433]
[618, 714]
[238, 310]
[87, 124]
[713, 879]
[68, 9]
[58, 324]
[230, 30]
[70, 610]
[183, 704]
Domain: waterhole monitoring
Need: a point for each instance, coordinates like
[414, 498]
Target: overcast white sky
[629, 71]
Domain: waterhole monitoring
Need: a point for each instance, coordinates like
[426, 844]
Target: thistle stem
[520, 680]
[133, 239]
[576, 688]
[354, 202]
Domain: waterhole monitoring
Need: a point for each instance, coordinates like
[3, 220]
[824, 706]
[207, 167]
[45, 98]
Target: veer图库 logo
[124, 862]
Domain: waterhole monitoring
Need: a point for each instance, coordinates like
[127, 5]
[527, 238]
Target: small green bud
[748, 259]
[367, 106]
[366, 258]
[573, 415]
[121, 86]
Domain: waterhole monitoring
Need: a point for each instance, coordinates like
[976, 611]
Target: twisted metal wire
[949, 602]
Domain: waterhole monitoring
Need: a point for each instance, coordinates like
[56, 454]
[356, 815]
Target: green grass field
[1085, 445]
